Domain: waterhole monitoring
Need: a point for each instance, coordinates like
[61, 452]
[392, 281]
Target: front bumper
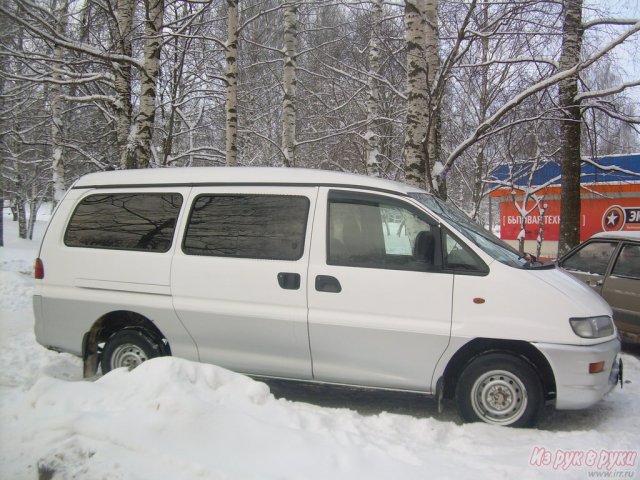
[575, 387]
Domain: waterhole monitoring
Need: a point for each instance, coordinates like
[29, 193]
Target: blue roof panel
[614, 168]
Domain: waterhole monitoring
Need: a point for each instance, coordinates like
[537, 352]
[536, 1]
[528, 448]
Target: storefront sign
[597, 215]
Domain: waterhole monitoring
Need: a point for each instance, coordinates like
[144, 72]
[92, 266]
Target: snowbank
[171, 418]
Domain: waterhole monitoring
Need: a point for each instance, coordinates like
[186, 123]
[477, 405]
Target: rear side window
[125, 221]
[247, 226]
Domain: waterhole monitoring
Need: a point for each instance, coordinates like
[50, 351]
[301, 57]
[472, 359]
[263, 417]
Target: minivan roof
[193, 176]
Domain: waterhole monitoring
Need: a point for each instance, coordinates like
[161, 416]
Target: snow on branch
[610, 21]
[506, 61]
[486, 126]
[40, 30]
[608, 91]
[609, 168]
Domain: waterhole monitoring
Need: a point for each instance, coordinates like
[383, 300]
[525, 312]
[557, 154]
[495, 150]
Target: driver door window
[375, 234]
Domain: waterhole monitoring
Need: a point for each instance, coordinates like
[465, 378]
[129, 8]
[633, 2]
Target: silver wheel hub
[128, 355]
[499, 397]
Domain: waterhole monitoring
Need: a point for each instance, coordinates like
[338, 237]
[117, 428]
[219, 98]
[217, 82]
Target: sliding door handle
[326, 283]
[289, 281]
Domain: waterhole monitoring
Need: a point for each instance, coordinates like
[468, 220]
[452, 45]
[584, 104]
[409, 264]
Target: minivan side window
[125, 221]
[268, 227]
[372, 232]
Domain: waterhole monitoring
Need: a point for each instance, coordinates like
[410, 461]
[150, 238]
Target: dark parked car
[609, 262]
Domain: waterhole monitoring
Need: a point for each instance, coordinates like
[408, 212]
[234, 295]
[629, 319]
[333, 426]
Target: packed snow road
[171, 418]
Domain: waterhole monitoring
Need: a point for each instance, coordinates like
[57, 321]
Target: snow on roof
[622, 235]
[609, 169]
[235, 175]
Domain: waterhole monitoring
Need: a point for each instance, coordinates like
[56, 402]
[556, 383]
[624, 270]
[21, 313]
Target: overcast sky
[628, 52]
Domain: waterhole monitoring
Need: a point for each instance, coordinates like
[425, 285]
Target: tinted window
[592, 258]
[367, 232]
[125, 221]
[628, 263]
[247, 226]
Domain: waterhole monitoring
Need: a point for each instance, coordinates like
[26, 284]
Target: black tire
[128, 348]
[500, 389]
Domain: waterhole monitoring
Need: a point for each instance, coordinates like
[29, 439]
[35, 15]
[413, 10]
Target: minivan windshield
[488, 242]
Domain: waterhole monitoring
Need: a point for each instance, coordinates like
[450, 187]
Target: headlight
[592, 327]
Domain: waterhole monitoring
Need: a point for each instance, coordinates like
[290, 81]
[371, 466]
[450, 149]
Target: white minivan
[317, 276]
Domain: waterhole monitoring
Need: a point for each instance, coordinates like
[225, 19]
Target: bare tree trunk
[478, 185]
[22, 218]
[34, 206]
[57, 109]
[122, 82]
[3, 124]
[571, 128]
[180, 52]
[289, 83]
[417, 102]
[374, 156]
[231, 103]
[542, 208]
[154, 12]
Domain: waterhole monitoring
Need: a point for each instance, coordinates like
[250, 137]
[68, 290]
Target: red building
[610, 193]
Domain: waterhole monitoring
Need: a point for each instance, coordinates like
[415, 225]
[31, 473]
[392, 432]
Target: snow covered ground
[176, 419]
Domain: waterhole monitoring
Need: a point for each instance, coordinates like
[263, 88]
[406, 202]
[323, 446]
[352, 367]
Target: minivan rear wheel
[500, 389]
[128, 348]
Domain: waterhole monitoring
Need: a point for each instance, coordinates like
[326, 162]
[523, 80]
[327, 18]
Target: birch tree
[372, 136]
[123, 31]
[139, 152]
[417, 102]
[57, 106]
[427, 77]
[431, 142]
[231, 75]
[289, 83]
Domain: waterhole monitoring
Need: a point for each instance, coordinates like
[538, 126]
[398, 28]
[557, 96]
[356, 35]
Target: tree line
[436, 93]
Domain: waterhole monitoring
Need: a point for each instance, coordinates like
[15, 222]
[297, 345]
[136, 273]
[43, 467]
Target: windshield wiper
[538, 265]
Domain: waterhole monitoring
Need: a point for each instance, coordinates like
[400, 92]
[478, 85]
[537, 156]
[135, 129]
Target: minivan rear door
[379, 302]
[239, 278]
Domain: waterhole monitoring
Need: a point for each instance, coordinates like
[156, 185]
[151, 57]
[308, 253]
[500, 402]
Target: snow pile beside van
[175, 419]
[171, 418]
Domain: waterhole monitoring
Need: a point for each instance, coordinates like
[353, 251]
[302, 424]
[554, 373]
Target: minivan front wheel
[500, 389]
[128, 348]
